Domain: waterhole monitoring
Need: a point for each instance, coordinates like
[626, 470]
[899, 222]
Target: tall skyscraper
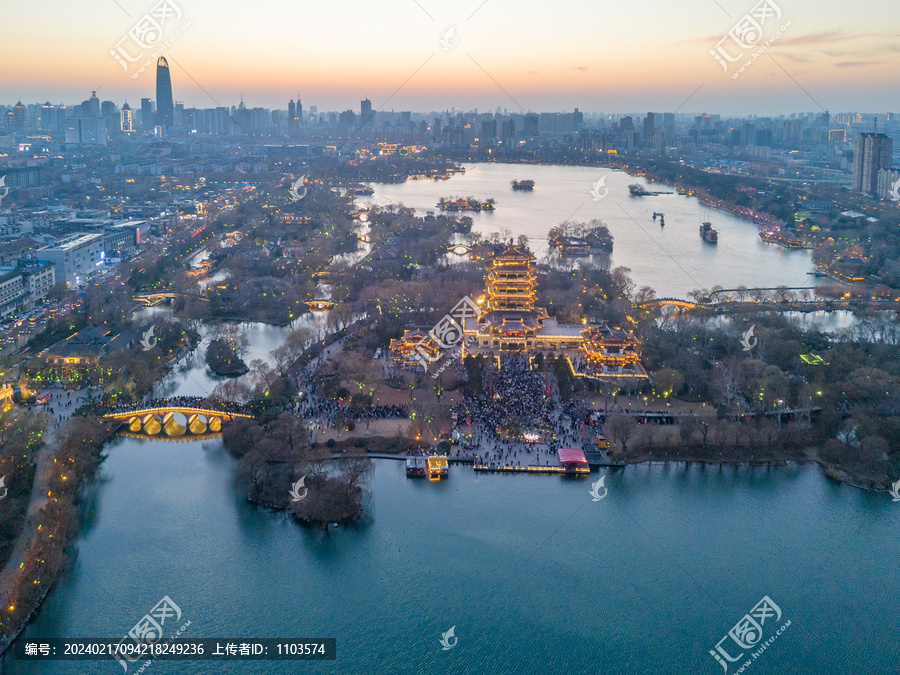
[91, 107]
[146, 114]
[873, 152]
[292, 119]
[47, 117]
[649, 125]
[365, 108]
[127, 122]
[19, 114]
[165, 105]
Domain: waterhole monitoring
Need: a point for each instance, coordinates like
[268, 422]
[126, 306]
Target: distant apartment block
[85, 131]
[24, 284]
[887, 178]
[12, 292]
[76, 257]
[873, 153]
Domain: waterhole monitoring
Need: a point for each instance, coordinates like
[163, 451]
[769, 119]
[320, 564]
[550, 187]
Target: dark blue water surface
[535, 576]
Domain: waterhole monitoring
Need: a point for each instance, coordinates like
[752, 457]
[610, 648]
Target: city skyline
[394, 55]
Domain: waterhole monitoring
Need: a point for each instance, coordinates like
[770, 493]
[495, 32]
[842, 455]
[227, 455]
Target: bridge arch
[175, 421]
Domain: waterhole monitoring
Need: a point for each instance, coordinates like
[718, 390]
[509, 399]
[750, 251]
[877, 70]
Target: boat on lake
[522, 184]
[708, 233]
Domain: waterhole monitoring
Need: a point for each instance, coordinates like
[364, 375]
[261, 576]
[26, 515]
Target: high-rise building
[888, 184]
[91, 107]
[293, 119]
[649, 125]
[146, 114]
[110, 113]
[47, 117]
[165, 105]
[365, 108]
[873, 152]
[577, 119]
[127, 122]
[19, 114]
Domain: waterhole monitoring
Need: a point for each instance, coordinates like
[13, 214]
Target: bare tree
[687, 425]
[621, 427]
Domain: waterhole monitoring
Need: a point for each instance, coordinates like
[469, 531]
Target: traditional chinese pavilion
[407, 350]
[512, 322]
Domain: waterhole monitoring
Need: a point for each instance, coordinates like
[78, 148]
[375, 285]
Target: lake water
[536, 577]
[672, 259]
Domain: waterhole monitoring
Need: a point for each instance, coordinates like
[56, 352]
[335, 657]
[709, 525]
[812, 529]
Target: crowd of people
[518, 397]
[182, 401]
[513, 395]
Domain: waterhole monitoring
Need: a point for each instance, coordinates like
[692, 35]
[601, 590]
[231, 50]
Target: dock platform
[533, 468]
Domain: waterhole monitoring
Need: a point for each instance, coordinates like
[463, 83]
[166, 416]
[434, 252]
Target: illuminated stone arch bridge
[152, 299]
[175, 422]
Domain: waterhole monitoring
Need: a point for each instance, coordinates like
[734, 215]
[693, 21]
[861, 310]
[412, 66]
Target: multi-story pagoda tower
[512, 281]
[511, 319]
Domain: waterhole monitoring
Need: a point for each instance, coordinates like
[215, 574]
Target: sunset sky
[598, 56]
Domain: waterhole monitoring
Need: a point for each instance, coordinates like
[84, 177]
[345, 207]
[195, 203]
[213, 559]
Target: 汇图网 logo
[449, 639]
[748, 633]
[599, 190]
[296, 194]
[296, 494]
[148, 342]
[595, 489]
[449, 39]
[748, 336]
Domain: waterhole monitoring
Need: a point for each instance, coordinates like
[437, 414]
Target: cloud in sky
[859, 64]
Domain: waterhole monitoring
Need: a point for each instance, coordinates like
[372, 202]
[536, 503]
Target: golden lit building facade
[512, 322]
[409, 350]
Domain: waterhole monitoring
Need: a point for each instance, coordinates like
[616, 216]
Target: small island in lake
[223, 360]
[465, 204]
[278, 469]
[638, 190]
[577, 239]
